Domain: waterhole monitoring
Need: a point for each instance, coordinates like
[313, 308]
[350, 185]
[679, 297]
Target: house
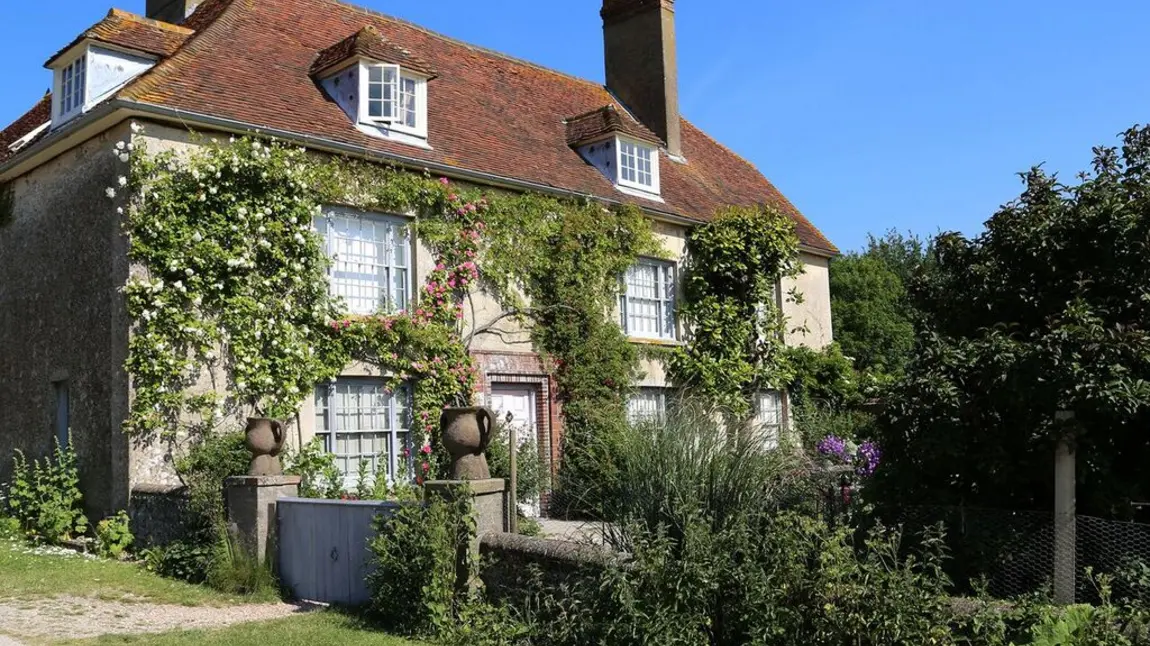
[339, 79]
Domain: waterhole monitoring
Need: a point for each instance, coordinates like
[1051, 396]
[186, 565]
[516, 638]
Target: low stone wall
[160, 514]
[513, 566]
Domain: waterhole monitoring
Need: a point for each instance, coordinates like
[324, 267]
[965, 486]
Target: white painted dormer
[382, 99]
[620, 148]
[89, 73]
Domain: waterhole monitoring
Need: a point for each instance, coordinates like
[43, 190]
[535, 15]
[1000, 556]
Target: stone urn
[265, 439]
[466, 432]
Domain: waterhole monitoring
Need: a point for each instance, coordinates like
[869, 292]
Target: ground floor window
[362, 422]
[647, 406]
[769, 417]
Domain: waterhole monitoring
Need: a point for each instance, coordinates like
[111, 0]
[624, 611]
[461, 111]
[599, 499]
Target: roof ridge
[457, 41]
[159, 24]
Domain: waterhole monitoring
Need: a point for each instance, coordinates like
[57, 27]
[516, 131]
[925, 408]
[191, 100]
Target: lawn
[29, 572]
[312, 629]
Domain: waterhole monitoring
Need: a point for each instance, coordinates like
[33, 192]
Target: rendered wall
[809, 322]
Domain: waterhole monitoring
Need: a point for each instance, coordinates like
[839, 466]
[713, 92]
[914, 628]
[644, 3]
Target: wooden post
[1064, 517]
[513, 437]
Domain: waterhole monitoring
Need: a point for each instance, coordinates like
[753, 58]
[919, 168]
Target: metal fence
[1012, 552]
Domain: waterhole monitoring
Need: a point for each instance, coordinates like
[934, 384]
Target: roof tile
[592, 125]
[369, 43]
[133, 32]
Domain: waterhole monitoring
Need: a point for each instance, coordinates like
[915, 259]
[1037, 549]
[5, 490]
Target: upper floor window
[365, 426]
[73, 86]
[395, 99]
[637, 166]
[371, 258]
[647, 305]
[382, 92]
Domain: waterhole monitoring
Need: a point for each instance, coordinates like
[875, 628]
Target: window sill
[669, 343]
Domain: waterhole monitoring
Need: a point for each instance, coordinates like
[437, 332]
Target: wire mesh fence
[1011, 552]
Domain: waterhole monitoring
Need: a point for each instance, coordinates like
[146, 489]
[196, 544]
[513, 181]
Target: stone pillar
[251, 504]
[488, 498]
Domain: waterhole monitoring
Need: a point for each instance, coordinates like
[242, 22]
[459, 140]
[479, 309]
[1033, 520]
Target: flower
[122, 181]
[120, 145]
[426, 450]
[123, 157]
[834, 447]
[136, 127]
[444, 181]
[110, 192]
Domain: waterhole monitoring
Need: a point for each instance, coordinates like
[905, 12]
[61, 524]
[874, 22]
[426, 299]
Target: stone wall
[62, 317]
[159, 514]
[513, 565]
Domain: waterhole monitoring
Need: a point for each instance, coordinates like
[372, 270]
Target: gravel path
[78, 617]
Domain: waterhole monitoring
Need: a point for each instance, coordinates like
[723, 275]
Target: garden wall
[160, 514]
[513, 565]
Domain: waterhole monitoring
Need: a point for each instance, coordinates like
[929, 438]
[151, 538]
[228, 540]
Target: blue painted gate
[323, 554]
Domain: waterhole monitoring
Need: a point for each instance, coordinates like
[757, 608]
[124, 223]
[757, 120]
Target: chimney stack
[173, 11]
[642, 68]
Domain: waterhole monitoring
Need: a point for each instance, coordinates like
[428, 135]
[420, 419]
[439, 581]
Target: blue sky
[868, 115]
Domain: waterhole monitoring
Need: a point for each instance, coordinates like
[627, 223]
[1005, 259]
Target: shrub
[113, 535]
[205, 467]
[531, 473]
[232, 569]
[422, 565]
[183, 560]
[320, 478]
[45, 497]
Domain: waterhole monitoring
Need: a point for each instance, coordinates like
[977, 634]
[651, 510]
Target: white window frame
[394, 294]
[771, 429]
[636, 148]
[665, 301]
[67, 103]
[396, 433]
[393, 113]
[640, 403]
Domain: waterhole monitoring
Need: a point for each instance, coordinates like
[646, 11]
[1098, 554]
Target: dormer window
[381, 87]
[620, 147]
[73, 87]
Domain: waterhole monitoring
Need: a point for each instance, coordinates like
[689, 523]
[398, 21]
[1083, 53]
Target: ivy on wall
[232, 312]
[735, 347]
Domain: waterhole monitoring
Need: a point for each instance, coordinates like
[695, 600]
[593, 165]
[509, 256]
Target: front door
[516, 405]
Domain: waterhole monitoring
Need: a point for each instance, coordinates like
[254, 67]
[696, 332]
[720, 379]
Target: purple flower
[868, 458]
[834, 447]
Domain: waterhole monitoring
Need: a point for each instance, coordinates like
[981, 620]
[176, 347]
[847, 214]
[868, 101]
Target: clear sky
[867, 114]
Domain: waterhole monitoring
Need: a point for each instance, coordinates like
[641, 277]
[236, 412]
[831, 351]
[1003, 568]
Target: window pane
[367, 271]
[365, 414]
[648, 306]
[647, 405]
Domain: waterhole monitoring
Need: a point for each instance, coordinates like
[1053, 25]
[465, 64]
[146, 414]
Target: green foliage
[184, 560]
[422, 565]
[822, 377]
[320, 477]
[531, 472]
[208, 462]
[734, 347]
[113, 535]
[233, 570]
[813, 422]
[45, 497]
[1043, 312]
[872, 314]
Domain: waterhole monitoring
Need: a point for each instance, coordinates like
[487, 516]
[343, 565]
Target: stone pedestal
[251, 504]
[488, 498]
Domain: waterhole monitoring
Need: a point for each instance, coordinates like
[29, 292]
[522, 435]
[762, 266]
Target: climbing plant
[232, 312]
[735, 344]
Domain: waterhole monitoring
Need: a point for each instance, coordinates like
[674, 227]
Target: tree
[1045, 311]
[873, 319]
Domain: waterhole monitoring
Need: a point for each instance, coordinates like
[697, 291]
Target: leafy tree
[1045, 311]
[873, 319]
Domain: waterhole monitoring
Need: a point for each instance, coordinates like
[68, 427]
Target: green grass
[26, 575]
[311, 629]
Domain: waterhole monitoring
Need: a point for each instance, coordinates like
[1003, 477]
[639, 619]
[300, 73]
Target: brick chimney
[173, 11]
[642, 70]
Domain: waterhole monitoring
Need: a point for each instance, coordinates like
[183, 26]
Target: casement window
[638, 166]
[647, 406]
[73, 86]
[371, 258]
[361, 422]
[395, 99]
[769, 418]
[647, 305]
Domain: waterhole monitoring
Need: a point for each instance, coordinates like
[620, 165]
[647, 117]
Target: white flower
[212, 190]
[219, 286]
[196, 237]
[265, 244]
[123, 157]
[299, 239]
[136, 127]
[198, 300]
[189, 272]
[120, 145]
[267, 211]
[119, 210]
[242, 211]
[179, 285]
[110, 192]
[130, 146]
[241, 385]
[262, 229]
[122, 181]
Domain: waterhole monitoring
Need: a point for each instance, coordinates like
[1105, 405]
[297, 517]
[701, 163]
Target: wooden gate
[323, 553]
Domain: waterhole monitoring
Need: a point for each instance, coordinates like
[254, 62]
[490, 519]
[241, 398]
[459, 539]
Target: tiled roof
[369, 43]
[488, 113]
[592, 125]
[40, 114]
[132, 32]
